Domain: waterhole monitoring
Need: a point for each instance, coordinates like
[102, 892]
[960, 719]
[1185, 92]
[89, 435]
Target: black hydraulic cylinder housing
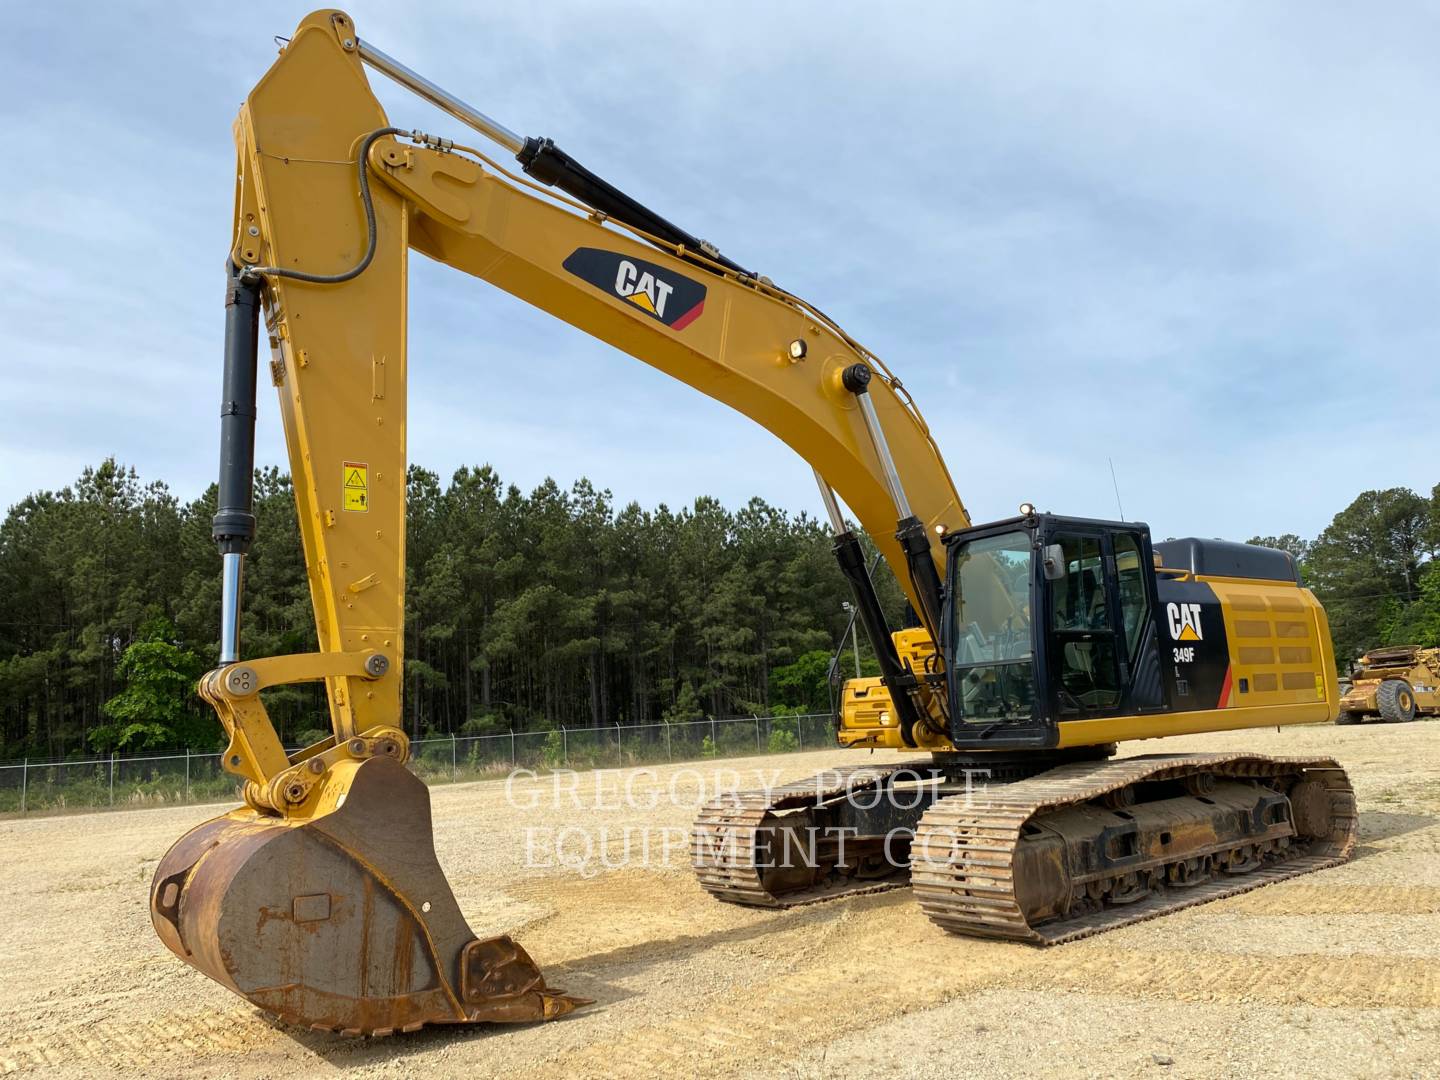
[898, 679]
[546, 162]
[233, 527]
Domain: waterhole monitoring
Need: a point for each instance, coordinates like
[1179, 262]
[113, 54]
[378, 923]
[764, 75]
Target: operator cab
[1048, 618]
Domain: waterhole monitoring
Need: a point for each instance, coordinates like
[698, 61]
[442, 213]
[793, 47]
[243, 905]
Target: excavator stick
[343, 922]
[322, 901]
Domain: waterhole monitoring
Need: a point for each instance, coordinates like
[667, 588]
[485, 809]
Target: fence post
[668, 756]
[454, 768]
[24, 782]
[112, 777]
[757, 732]
[513, 759]
[187, 772]
[800, 731]
[564, 746]
[714, 739]
[619, 753]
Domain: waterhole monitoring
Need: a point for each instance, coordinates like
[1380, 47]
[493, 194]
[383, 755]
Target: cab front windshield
[991, 658]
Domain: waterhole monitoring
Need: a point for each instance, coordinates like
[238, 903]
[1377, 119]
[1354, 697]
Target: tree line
[1374, 567]
[524, 611]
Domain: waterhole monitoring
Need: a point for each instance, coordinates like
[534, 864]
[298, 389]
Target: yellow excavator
[1039, 642]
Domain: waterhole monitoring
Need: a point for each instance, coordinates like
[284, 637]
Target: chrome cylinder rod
[441, 99]
[832, 506]
[232, 576]
[882, 451]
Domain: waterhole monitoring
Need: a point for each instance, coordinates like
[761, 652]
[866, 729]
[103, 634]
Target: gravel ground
[1332, 974]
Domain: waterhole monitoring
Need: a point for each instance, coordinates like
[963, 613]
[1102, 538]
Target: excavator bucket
[343, 921]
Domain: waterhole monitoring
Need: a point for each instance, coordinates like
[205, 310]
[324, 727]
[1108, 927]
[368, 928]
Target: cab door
[1100, 625]
[1088, 664]
[1137, 604]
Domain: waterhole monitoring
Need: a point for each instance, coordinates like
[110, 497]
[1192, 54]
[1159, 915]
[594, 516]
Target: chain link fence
[32, 787]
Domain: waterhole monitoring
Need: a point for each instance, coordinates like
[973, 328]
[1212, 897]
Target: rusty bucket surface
[342, 922]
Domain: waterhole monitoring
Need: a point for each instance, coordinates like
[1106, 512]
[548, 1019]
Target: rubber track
[965, 845]
[722, 843]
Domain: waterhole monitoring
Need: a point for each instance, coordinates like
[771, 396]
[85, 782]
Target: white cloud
[1197, 239]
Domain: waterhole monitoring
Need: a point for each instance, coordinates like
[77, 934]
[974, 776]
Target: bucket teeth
[345, 922]
[535, 1005]
[558, 1003]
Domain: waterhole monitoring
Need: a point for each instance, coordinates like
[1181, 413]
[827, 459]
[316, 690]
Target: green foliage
[802, 686]
[708, 749]
[1416, 623]
[685, 707]
[523, 610]
[552, 751]
[83, 570]
[1374, 569]
[1369, 565]
[156, 707]
[783, 738]
[484, 724]
[1297, 547]
[310, 736]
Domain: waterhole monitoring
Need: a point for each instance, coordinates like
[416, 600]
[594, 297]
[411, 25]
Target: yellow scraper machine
[1041, 641]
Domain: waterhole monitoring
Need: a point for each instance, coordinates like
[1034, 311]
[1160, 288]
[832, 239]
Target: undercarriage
[1026, 848]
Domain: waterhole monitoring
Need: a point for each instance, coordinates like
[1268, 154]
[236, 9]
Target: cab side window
[1130, 575]
[1081, 631]
[1080, 596]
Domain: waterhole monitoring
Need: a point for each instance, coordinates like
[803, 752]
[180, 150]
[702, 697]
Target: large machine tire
[1347, 717]
[1396, 701]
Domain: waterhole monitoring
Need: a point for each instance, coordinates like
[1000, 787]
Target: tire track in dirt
[878, 960]
[169, 1039]
[1388, 831]
[1306, 899]
[1331, 981]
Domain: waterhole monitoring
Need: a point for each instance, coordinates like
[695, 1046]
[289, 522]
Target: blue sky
[1197, 238]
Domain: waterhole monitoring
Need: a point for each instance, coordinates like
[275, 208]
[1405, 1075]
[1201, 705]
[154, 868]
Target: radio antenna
[1116, 484]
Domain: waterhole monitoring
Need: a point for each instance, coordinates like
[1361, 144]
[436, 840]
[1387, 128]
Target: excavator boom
[322, 900]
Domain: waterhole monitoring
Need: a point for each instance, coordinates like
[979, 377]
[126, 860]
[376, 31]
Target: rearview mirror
[1054, 562]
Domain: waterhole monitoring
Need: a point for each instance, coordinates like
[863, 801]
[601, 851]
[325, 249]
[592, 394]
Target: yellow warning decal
[1188, 634]
[356, 486]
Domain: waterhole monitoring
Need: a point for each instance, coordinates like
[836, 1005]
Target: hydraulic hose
[252, 274]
